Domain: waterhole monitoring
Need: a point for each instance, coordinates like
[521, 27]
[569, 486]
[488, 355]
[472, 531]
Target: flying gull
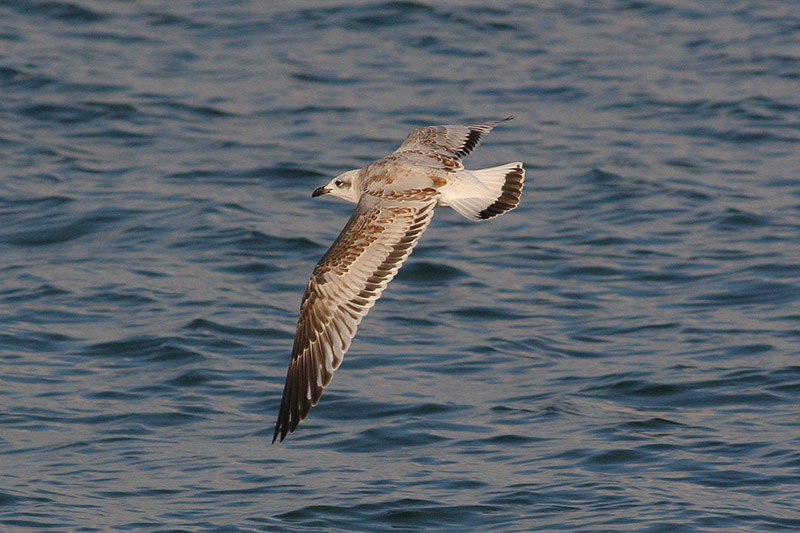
[395, 198]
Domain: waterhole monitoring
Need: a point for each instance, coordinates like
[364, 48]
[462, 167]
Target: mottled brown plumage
[395, 199]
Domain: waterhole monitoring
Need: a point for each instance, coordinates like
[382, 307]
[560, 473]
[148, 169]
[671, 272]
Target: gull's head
[344, 185]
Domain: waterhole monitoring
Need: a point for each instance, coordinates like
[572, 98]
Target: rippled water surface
[620, 353]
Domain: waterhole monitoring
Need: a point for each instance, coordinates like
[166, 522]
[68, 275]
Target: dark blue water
[620, 353]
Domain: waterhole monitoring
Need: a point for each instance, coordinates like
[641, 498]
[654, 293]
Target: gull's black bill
[320, 192]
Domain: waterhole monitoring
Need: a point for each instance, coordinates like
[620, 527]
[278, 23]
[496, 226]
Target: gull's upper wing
[343, 287]
[454, 141]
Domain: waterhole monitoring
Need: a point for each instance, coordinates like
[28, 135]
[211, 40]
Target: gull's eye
[338, 183]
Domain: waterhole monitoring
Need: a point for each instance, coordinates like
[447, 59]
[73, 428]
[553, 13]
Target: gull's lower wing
[344, 286]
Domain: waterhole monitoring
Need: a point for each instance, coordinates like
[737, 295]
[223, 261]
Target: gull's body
[395, 198]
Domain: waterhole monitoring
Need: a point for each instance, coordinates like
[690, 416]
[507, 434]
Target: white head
[344, 185]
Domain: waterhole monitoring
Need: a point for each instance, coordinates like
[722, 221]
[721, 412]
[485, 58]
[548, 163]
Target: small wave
[78, 113]
[51, 229]
[61, 11]
[425, 272]
[152, 349]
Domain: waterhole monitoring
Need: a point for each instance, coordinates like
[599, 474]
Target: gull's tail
[501, 191]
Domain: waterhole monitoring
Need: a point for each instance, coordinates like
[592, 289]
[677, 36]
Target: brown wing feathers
[456, 140]
[343, 287]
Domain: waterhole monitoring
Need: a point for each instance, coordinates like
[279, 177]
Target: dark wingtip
[281, 427]
[278, 428]
[282, 424]
[474, 136]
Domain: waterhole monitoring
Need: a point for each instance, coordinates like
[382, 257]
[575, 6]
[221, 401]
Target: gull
[395, 198]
